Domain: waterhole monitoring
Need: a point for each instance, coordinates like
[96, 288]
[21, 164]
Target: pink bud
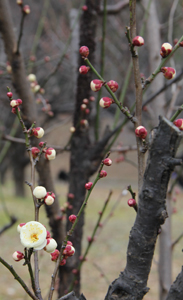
[179, 123]
[17, 255]
[138, 41]
[103, 173]
[26, 9]
[89, 239]
[96, 85]
[19, 2]
[141, 132]
[41, 144]
[180, 44]
[119, 159]
[72, 218]
[84, 7]
[38, 132]
[15, 103]
[84, 123]
[85, 101]
[63, 262]
[92, 98]
[69, 243]
[166, 49]
[49, 198]
[50, 154]
[87, 111]
[74, 271]
[88, 185]
[107, 162]
[83, 107]
[19, 227]
[35, 151]
[54, 255]
[84, 69]
[84, 51]
[113, 85]
[48, 235]
[131, 202]
[9, 94]
[69, 251]
[46, 58]
[168, 72]
[105, 102]
[70, 196]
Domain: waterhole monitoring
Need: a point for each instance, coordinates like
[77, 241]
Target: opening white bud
[39, 192]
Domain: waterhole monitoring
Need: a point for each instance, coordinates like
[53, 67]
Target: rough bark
[80, 163]
[176, 290]
[132, 283]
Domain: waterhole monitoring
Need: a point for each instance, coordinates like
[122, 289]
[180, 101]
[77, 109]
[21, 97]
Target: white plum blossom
[33, 235]
[39, 192]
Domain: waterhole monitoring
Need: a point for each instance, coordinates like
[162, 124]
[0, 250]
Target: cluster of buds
[35, 87]
[68, 252]
[40, 193]
[179, 123]
[15, 103]
[84, 51]
[138, 41]
[50, 153]
[26, 9]
[166, 49]
[141, 132]
[85, 109]
[106, 102]
[168, 72]
[66, 206]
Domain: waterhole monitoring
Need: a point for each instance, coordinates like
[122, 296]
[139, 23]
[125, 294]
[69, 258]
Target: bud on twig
[166, 49]
[105, 102]
[138, 41]
[179, 123]
[141, 132]
[168, 72]
[84, 51]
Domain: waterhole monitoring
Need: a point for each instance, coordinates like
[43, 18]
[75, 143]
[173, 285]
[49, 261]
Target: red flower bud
[107, 162]
[17, 255]
[179, 123]
[88, 185]
[50, 154]
[72, 218]
[166, 49]
[105, 102]
[84, 69]
[141, 132]
[35, 152]
[9, 94]
[84, 51]
[38, 132]
[54, 255]
[63, 262]
[85, 101]
[26, 9]
[138, 41]
[96, 85]
[132, 202]
[168, 72]
[84, 7]
[103, 173]
[113, 85]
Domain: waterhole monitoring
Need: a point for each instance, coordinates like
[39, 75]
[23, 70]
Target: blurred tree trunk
[153, 42]
[80, 160]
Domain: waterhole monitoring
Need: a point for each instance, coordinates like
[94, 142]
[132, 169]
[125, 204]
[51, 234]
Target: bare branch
[115, 8]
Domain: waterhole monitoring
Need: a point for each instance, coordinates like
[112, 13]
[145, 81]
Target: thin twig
[17, 277]
[21, 31]
[13, 220]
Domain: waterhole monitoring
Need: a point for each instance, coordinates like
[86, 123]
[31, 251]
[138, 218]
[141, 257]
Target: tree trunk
[132, 283]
